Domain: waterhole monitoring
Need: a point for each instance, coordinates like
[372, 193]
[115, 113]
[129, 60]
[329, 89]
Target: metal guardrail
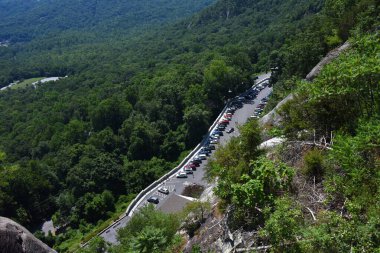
[141, 195]
[137, 200]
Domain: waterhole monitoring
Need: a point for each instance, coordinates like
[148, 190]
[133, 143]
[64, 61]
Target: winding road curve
[176, 185]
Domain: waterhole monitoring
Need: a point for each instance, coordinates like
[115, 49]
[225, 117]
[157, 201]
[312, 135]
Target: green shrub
[313, 164]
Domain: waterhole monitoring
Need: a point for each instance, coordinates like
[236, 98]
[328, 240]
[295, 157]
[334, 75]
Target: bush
[313, 164]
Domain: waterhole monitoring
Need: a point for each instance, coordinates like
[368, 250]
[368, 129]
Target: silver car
[163, 190]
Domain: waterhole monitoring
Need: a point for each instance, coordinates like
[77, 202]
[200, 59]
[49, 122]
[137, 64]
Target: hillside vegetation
[22, 21]
[135, 103]
[315, 198]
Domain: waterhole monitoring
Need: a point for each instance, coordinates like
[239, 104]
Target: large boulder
[14, 238]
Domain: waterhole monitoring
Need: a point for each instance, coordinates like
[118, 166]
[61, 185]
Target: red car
[194, 165]
[188, 167]
[224, 121]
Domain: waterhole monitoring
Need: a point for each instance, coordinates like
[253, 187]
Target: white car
[203, 156]
[214, 141]
[188, 170]
[163, 190]
[181, 175]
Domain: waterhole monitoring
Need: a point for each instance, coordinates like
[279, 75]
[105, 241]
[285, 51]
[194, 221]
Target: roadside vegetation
[133, 105]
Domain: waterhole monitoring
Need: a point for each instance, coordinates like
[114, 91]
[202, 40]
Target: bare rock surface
[326, 60]
[14, 238]
[273, 118]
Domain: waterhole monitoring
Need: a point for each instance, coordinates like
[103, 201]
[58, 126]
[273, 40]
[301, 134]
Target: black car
[204, 152]
[196, 160]
[154, 200]
[218, 132]
[206, 148]
[230, 130]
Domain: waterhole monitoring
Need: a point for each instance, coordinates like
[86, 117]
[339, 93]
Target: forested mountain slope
[22, 20]
[225, 27]
[133, 104]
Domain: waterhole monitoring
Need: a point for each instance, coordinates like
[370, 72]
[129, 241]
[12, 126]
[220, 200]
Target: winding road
[174, 200]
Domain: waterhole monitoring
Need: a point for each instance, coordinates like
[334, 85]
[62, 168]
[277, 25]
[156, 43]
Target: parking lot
[177, 185]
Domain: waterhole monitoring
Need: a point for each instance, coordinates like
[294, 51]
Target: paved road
[176, 185]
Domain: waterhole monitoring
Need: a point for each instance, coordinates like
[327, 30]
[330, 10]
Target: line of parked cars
[260, 108]
[210, 143]
[214, 137]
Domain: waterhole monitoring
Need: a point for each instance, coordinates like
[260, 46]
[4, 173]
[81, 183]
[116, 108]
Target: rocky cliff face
[14, 238]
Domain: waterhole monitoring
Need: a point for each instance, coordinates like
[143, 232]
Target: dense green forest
[137, 99]
[23, 20]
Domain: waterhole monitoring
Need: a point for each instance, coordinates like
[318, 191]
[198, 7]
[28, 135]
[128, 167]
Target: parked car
[204, 152]
[188, 170]
[203, 156]
[218, 132]
[207, 149]
[212, 147]
[214, 141]
[163, 190]
[196, 160]
[256, 113]
[181, 175]
[193, 165]
[211, 138]
[154, 200]
[224, 121]
[230, 130]
[214, 136]
[221, 127]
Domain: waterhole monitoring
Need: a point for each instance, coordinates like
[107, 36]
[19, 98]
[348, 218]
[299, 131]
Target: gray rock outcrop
[273, 118]
[326, 60]
[14, 238]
